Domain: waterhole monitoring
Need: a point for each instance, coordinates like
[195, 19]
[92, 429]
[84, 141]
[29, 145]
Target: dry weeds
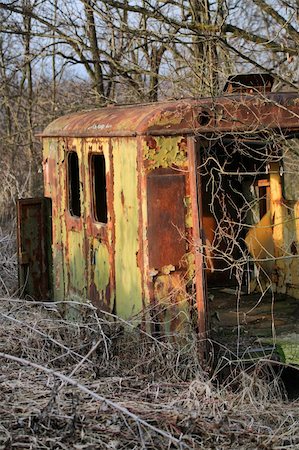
[101, 384]
[8, 262]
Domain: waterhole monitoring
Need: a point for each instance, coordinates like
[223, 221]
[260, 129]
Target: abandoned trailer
[160, 211]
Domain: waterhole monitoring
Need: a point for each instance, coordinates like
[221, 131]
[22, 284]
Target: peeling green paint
[188, 216]
[189, 261]
[127, 272]
[102, 269]
[167, 153]
[77, 261]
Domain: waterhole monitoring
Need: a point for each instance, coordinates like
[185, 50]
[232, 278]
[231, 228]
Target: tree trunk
[94, 49]
[27, 6]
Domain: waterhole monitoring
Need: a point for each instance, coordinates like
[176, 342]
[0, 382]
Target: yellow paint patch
[102, 269]
[127, 272]
[76, 262]
[259, 241]
[167, 153]
[188, 217]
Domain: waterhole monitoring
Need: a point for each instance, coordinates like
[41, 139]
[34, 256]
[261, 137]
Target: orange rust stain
[151, 143]
[183, 145]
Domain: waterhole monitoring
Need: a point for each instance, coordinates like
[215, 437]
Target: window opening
[264, 197]
[74, 184]
[99, 194]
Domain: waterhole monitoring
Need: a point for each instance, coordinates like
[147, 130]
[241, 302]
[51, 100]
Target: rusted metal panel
[168, 285]
[229, 113]
[34, 242]
[166, 218]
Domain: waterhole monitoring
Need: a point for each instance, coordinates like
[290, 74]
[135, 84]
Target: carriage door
[167, 246]
[99, 226]
[74, 243]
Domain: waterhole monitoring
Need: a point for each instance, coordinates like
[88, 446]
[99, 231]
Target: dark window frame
[264, 195]
[99, 195]
[73, 184]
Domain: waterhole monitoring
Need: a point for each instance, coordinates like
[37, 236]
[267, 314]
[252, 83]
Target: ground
[256, 323]
[97, 384]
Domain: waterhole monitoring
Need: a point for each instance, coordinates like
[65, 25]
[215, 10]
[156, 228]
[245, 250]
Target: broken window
[263, 195]
[74, 184]
[99, 192]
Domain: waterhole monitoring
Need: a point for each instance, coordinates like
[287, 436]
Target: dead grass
[130, 392]
[102, 384]
[8, 261]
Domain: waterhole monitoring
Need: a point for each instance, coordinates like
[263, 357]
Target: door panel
[34, 247]
[99, 226]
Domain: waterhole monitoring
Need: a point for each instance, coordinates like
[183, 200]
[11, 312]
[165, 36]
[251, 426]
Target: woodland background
[58, 56]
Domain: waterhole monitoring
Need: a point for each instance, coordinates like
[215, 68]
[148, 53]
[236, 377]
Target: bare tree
[128, 51]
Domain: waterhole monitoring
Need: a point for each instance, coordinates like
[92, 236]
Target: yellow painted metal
[76, 263]
[273, 242]
[259, 241]
[294, 267]
[188, 217]
[280, 224]
[276, 208]
[145, 273]
[50, 166]
[101, 268]
[288, 260]
[127, 272]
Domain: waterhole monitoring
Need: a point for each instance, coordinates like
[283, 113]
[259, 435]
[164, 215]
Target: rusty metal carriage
[127, 219]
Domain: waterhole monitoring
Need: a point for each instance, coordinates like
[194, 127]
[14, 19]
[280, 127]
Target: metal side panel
[34, 247]
[166, 218]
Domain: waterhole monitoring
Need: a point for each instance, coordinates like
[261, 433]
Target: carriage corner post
[126, 219]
